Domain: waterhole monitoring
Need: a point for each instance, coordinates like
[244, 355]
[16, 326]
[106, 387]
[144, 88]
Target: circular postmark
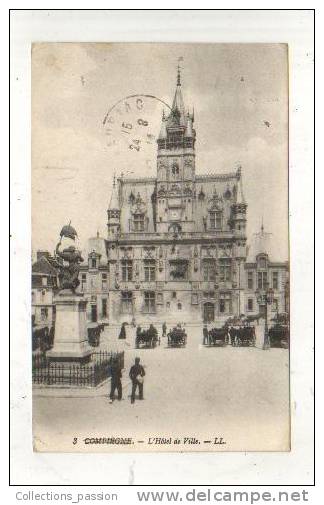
[131, 127]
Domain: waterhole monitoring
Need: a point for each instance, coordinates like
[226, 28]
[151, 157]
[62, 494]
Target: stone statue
[68, 273]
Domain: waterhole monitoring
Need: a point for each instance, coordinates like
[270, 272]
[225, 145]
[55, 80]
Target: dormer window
[93, 260]
[215, 219]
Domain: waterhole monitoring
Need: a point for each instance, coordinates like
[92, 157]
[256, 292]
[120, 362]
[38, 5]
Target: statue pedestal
[70, 339]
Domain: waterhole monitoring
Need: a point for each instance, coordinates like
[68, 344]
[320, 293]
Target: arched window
[179, 306]
[175, 228]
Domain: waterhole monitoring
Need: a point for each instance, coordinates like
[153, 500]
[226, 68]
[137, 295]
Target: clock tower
[176, 169]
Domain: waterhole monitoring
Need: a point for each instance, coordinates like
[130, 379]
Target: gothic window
[178, 270]
[175, 228]
[225, 269]
[250, 280]
[175, 139]
[209, 270]
[179, 306]
[262, 262]
[127, 302]
[227, 194]
[149, 270]
[201, 195]
[225, 303]
[160, 298]
[215, 219]
[103, 281]
[127, 270]
[175, 169]
[83, 281]
[138, 222]
[275, 280]
[262, 280]
[44, 313]
[149, 302]
[132, 198]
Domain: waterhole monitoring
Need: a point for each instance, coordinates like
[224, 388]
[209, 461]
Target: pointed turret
[113, 212]
[189, 129]
[114, 203]
[239, 206]
[177, 115]
[163, 131]
[239, 195]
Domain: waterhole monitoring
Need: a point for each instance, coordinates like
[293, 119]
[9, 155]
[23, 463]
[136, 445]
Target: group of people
[122, 333]
[136, 374]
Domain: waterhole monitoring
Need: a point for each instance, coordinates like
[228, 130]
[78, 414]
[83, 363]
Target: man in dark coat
[136, 375]
[116, 375]
[164, 329]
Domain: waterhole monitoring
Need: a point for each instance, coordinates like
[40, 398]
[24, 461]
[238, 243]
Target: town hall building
[176, 242]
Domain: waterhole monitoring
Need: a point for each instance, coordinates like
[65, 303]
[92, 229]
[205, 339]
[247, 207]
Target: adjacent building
[262, 272]
[94, 280]
[44, 287]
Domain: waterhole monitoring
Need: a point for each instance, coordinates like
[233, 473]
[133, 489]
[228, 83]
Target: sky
[239, 93]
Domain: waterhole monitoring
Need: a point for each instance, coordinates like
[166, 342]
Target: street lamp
[265, 297]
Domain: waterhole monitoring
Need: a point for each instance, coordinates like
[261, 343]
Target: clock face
[131, 128]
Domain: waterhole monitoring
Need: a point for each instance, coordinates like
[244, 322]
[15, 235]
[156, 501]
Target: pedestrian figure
[136, 375]
[116, 375]
[164, 329]
[205, 334]
[122, 333]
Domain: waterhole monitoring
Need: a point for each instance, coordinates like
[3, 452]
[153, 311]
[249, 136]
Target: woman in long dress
[122, 333]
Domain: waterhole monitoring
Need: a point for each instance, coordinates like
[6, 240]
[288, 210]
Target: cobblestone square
[238, 394]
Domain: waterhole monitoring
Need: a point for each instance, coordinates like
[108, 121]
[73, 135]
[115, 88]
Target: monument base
[71, 339]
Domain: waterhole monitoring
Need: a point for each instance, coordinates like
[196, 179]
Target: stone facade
[93, 279]
[44, 287]
[262, 271]
[177, 242]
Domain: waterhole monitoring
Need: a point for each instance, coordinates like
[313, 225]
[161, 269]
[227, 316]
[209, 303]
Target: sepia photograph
[160, 298]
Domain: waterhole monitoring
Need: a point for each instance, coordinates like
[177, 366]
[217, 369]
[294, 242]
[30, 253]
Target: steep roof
[43, 266]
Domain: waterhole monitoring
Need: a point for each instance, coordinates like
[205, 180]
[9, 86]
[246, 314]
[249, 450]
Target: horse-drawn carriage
[177, 337]
[42, 338]
[279, 336]
[146, 338]
[216, 337]
[243, 336]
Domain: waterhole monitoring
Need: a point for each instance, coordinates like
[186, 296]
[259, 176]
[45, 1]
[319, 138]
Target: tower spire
[178, 72]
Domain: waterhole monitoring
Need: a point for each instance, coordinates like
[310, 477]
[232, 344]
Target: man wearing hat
[136, 375]
[116, 375]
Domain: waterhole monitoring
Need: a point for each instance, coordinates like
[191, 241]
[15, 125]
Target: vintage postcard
[160, 269]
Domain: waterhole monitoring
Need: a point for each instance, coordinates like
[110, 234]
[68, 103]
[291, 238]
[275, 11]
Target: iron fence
[47, 372]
